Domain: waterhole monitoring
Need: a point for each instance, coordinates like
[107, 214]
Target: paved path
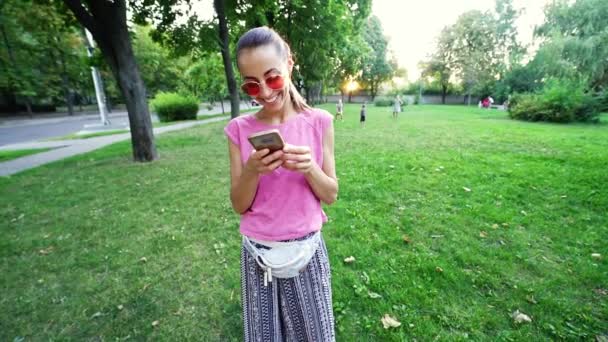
[68, 148]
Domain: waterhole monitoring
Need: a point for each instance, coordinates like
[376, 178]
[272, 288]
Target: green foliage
[560, 101]
[377, 68]
[205, 79]
[576, 41]
[41, 53]
[173, 106]
[383, 102]
[159, 70]
[416, 99]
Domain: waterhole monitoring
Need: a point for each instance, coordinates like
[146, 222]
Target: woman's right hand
[262, 161]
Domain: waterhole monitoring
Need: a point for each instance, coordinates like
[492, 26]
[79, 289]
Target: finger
[273, 166]
[296, 157]
[268, 159]
[296, 149]
[260, 154]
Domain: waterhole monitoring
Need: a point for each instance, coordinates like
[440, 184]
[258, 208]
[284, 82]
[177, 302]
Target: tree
[443, 61]
[42, 54]
[474, 54]
[224, 42]
[576, 41]
[205, 79]
[508, 51]
[319, 34]
[376, 66]
[107, 22]
[160, 70]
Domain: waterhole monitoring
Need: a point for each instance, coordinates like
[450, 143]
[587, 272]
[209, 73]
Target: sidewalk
[68, 148]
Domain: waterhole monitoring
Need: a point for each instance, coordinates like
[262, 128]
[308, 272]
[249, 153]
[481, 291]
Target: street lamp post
[97, 82]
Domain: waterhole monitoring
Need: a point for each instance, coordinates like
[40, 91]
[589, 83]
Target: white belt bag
[283, 259]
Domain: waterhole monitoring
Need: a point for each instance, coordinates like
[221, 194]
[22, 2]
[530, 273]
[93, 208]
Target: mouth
[272, 100]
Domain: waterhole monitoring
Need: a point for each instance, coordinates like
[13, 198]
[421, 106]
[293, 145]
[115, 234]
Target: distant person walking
[339, 110]
[396, 106]
[362, 116]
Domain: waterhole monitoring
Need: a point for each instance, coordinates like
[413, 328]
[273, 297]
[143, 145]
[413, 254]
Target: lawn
[456, 217]
[6, 155]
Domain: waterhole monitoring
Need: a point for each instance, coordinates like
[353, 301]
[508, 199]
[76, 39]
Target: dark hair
[261, 36]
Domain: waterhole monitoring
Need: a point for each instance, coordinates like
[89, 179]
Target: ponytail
[299, 103]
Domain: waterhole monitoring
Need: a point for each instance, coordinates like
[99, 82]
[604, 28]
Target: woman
[279, 198]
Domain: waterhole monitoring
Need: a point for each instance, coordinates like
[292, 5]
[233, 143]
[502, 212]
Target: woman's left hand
[297, 158]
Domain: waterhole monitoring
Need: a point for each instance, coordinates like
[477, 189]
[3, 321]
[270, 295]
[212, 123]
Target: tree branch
[83, 15]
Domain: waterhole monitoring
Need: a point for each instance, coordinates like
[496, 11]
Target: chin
[276, 105]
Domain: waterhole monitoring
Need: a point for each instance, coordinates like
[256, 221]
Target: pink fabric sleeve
[325, 121]
[232, 132]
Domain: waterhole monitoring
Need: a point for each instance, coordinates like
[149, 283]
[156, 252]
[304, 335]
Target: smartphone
[270, 139]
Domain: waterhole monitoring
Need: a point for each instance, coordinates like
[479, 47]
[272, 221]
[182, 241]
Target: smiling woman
[285, 274]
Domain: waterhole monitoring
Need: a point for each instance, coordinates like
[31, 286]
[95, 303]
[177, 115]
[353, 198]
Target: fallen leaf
[466, 189]
[120, 307]
[392, 166]
[596, 255]
[143, 259]
[523, 212]
[390, 322]
[155, 323]
[563, 196]
[601, 292]
[495, 226]
[46, 250]
[97, 314]
[349, 259]
[438, 269]
[520, 317]
[504, 224]
[483, 234]
[373, 295]
[407, 239]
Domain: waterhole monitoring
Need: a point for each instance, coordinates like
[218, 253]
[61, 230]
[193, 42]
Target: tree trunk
[107, 22]
[225, 47]
[444, 91]
[65, 84]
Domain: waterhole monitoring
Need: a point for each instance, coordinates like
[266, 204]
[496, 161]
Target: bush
[172, 107]
[560, 101]
[383, 102]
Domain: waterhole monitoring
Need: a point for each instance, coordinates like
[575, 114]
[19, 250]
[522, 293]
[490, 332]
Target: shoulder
[317, 117]
[235, 126]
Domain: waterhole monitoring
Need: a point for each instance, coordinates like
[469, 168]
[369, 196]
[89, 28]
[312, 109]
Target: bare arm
[244, 178]
[322, 179]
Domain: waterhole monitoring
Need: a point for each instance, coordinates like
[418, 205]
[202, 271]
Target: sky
[413, 26]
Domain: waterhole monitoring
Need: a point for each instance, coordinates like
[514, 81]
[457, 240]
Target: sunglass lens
[275, 82]
[251, 89]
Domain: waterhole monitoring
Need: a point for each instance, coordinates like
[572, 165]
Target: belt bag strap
[283, 259]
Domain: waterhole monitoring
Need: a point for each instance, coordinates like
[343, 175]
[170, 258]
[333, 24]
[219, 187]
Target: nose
[264, 90]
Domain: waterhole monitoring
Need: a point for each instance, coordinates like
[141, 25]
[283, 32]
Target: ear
[289, 64]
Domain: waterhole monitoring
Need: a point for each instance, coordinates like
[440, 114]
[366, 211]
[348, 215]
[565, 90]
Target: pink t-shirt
[284, 207]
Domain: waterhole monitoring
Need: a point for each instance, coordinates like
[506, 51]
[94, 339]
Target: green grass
[10, 155]
[74, 234]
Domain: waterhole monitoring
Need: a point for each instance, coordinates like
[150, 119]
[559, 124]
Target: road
[42, 127]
